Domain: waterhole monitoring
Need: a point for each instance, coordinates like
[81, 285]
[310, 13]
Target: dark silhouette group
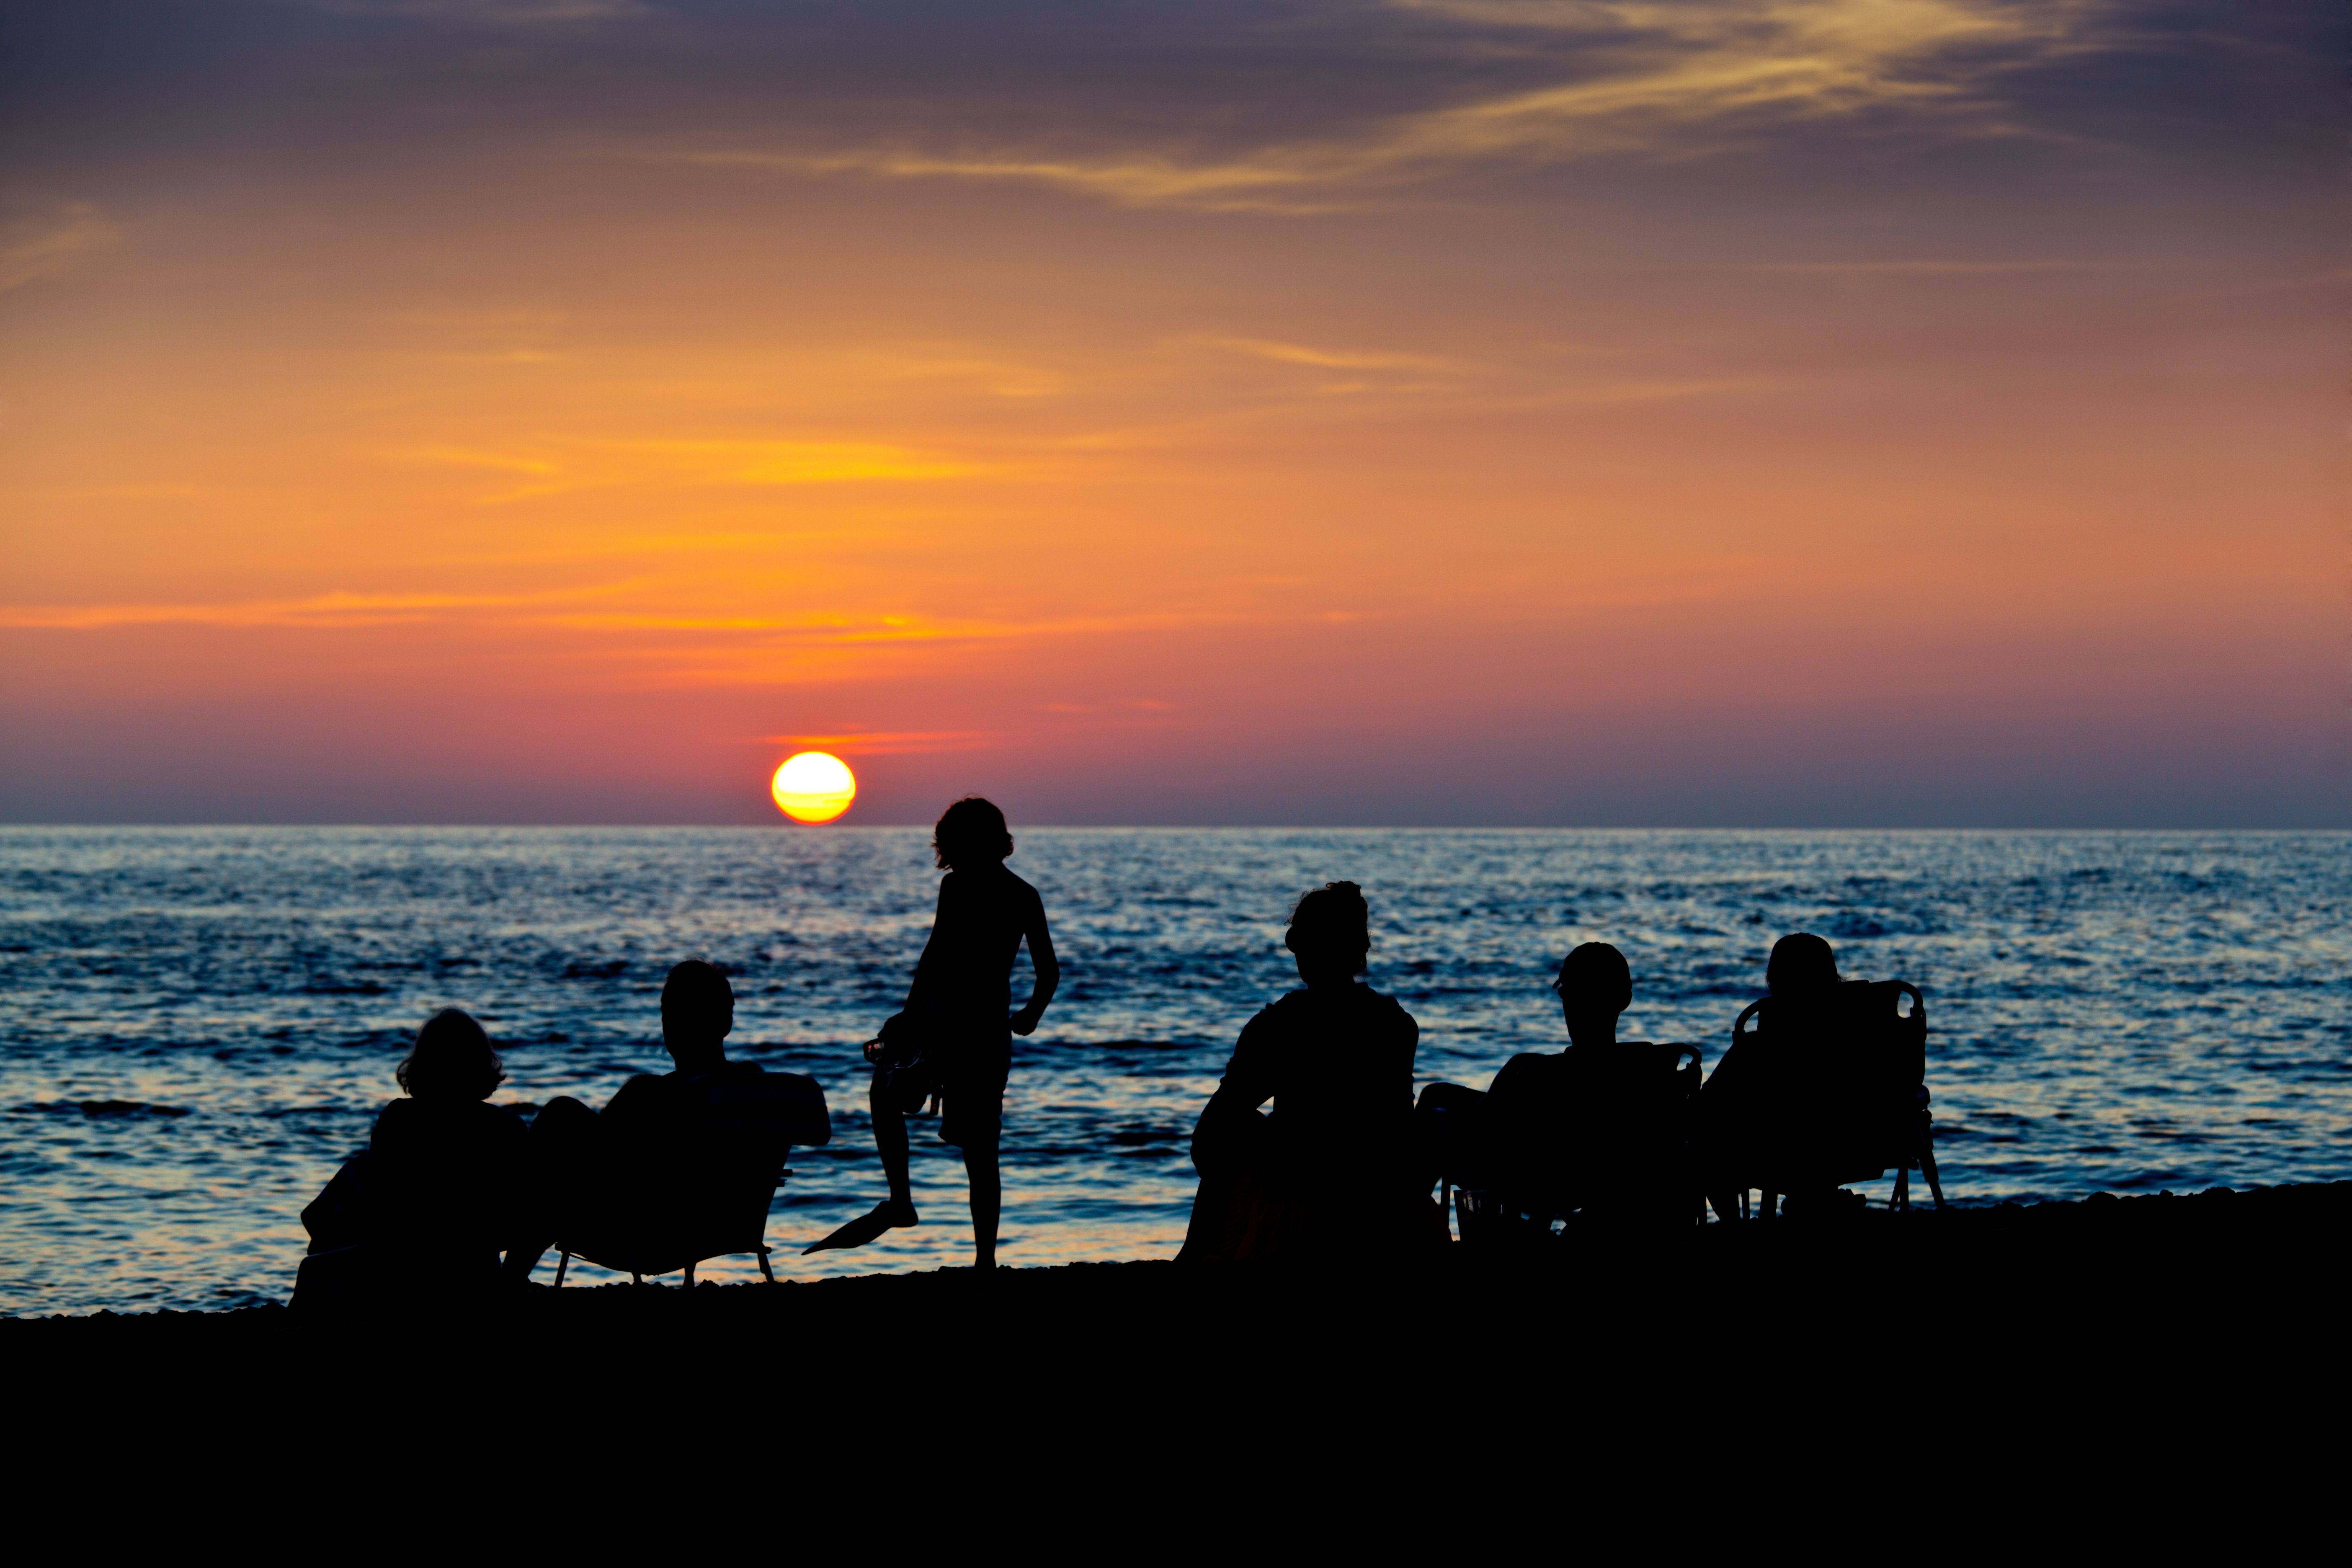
[1610, 1137]
[453, 1196]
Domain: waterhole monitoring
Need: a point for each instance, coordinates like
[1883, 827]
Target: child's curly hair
[969, 832]
[452, 1059]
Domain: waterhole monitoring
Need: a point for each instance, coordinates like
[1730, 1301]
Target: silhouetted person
[439, 1191]
[1597, 1127]
[1748, 1103]
[619, 1173]
[1331, 1172]
[956, 1012]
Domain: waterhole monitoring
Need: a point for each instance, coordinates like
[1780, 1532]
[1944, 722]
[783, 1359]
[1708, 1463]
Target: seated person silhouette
[439, 1191]
[956, 1011]
[1751, 1101]
[1598, 1130]
[621, 1175]
[1331, 1173]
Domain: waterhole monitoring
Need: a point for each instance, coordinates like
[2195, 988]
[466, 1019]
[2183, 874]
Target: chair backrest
[777, 1108]
[709, 1193]
[745, 1129]
[1448, 1123]
[1841, 1073]
[1605, 1129]
[1631, 1125]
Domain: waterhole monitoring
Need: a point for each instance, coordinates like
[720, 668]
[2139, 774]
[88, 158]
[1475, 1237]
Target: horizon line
[1160, 827]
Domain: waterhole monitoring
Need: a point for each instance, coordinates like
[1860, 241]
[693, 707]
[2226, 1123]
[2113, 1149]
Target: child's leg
[898, 1208]
[891, 1143]
[987, 1197]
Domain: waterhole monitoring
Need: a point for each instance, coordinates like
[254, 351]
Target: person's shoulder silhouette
[446, 1169]
[447, 1076]
[1595, 986]
[1330, 1171]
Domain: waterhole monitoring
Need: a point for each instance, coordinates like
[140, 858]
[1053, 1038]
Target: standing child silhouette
[957, 1006]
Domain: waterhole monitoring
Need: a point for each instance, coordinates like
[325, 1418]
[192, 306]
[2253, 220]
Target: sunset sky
[1804, 412]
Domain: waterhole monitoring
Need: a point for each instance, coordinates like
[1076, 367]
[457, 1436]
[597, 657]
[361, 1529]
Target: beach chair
[1601, 1136]
[1447, 1119]
[715, 1203]
[1842, 1092]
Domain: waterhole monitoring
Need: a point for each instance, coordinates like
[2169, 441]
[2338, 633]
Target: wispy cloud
[1929, 268]
[51, 244]
[1645, 78]
[887, 743]
[640, 629]
[321, 610]
[576, 464]
[1332, 359]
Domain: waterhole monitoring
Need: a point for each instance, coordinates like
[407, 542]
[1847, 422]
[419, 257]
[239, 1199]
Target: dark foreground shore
[2150, 1338]
[2103, 1266]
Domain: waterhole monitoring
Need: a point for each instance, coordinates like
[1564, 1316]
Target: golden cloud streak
[1331, 359]
[323, 610]
[886, 742]
[601, 465]
[1693, 67]
[758, 637]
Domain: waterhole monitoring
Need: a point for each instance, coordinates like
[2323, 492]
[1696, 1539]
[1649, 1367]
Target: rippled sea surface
[198, 1025]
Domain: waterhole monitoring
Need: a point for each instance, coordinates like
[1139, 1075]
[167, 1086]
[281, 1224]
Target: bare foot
[890, 1214]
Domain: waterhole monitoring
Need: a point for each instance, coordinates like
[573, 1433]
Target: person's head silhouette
[1594, 987]
[1800, 964]
[1330, 932]
[971, 837]
[698, 1012]
[452, 1059]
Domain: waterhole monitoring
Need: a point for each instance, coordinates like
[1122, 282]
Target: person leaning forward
[1331, 1173]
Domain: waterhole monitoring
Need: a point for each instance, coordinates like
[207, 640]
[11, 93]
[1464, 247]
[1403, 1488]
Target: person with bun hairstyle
[440, 1190]
[959, 1016]
[1331, 1172]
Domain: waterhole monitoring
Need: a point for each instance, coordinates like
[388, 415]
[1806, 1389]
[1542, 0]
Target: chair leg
[766, 1272]
[1902, 1189]
[1743, 1203]
[1927, 1157]
[561, 1263]
[636, 1277]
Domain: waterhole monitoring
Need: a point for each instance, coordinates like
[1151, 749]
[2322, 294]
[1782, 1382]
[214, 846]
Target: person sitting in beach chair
[1601, 1130]
[679, 1167]
[1331, 1173]
[425, 1209]
[1829, 1088]
[1598, 1134]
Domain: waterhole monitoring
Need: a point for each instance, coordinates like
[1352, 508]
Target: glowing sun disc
[813, 786]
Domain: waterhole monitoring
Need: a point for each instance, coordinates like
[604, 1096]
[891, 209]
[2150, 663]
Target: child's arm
[926, 971]
[1041, 959]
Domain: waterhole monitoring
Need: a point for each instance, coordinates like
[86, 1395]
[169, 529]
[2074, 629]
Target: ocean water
[198, 1025]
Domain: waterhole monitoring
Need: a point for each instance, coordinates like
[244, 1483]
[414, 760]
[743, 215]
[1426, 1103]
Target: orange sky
[1902, 411]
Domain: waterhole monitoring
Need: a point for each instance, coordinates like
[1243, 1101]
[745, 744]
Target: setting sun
[813, 786]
